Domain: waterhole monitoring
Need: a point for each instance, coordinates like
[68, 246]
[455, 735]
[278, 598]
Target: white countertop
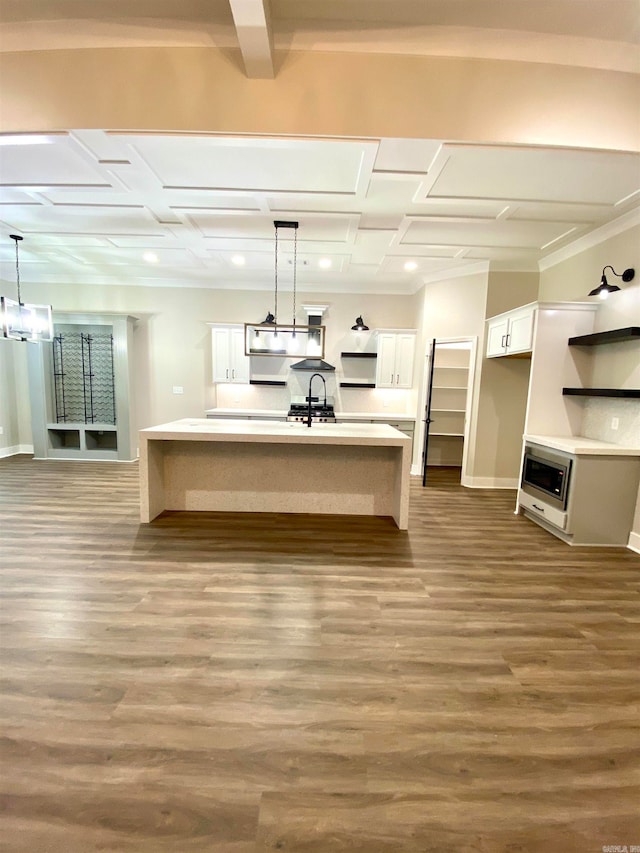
[211, 429]
[579, 446]
[246, 413]
[377, 416]
[282, 413]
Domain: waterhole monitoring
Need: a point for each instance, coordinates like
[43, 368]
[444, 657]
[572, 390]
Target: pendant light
[271, 336]
[22, 321]
[604, 288]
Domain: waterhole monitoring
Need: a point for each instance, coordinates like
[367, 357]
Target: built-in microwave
[546, 475]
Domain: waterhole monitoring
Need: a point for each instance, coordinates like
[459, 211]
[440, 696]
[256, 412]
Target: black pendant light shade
[269, 320]
[360, 326]
[604, 288]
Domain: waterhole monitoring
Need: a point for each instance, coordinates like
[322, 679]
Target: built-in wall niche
[83, 374]
[79, 387]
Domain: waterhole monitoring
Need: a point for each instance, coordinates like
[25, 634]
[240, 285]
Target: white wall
[451, 308]
[502, 391]
[172, 347]
[14, 398]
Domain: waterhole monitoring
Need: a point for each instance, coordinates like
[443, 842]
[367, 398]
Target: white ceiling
[92, 204]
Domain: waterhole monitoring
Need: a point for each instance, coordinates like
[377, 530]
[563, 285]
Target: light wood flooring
[247, 683]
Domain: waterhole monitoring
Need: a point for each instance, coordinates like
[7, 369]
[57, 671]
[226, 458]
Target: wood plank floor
[236, 683]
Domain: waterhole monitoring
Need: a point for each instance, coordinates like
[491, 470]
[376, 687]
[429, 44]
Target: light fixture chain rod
[275, 307]
[295, 267]
[18, 275]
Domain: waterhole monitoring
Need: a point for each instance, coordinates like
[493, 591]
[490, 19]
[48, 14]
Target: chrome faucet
[310, 398]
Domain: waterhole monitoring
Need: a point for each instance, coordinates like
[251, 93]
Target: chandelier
[23, 321]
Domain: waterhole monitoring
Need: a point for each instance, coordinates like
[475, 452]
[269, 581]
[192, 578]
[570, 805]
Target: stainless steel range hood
[317, 364]
[314, 314]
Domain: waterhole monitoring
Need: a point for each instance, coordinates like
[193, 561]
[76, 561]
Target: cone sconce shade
[359, 326]
[604, 288]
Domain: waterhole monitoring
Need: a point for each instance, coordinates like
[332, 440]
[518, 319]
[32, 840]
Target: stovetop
[320, 412]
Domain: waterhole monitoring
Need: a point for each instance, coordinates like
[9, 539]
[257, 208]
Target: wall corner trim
[593, 238]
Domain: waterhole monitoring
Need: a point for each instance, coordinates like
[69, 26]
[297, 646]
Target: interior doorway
[450, 371]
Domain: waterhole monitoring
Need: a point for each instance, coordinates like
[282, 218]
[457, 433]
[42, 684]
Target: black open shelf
[357, 384]
[602, 392]
[359, 354]
[277, 382]
[614, 336]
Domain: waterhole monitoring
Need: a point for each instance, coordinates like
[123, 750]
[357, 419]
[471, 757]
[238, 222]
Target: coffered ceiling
[375, 215]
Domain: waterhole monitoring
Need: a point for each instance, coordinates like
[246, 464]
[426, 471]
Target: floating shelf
[277, 382]
[359, 354]
[602, 392]
[631, 333]
[357, 384]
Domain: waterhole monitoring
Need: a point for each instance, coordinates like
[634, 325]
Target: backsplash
[396, 401]
[598, 414]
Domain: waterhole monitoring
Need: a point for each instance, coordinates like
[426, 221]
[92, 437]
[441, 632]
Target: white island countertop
[577, 445]
[276, 432]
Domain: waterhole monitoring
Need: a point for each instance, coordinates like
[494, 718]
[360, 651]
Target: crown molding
[477, 268]
[593, 238]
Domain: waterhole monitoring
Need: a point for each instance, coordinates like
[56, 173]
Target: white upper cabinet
[511, 333]
[396, 350]
[230, 364]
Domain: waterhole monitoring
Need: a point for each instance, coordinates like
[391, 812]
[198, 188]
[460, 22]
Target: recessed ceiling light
[238, 260]
[150, 257]
[324, 263]
[24, 139]
[410, 266]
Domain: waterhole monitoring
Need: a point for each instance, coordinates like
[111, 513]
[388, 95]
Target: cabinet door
[386, 367]
[497, 337]
[239, 361]
[405, 348]
[221, 354]
[520, 331]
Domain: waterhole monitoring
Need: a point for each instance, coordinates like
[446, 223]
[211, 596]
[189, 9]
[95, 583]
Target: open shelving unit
[612, 336]
[364, 379]
[449, 401]
[629, 393]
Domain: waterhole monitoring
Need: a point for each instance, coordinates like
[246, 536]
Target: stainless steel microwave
[546, 475]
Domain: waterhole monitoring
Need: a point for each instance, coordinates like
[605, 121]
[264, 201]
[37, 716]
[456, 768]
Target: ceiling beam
[252, 19]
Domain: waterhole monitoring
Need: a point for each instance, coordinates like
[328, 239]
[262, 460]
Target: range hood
[312, 364]
[314, 314]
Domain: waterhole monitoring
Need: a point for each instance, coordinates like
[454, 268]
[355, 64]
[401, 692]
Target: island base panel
[245, 477]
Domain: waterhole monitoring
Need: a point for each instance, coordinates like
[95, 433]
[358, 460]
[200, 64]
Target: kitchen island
[203, 464]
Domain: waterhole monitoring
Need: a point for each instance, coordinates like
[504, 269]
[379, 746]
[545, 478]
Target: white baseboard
[634, 542]
[17, 448]
[490, 482]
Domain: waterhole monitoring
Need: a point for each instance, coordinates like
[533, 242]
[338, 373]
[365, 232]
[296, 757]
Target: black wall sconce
[360, 326]
[604, 288]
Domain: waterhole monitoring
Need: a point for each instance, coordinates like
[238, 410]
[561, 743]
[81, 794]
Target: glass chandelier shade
[23, 321]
